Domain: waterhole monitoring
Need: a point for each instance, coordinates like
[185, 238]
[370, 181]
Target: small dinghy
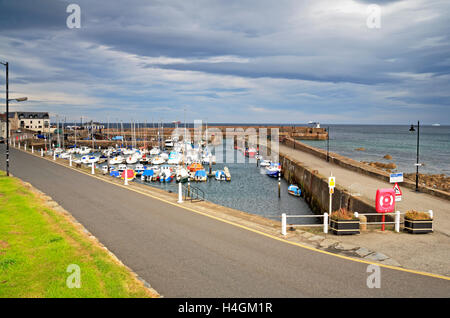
[220, 175]
[294, 190]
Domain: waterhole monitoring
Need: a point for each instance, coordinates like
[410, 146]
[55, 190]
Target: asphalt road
[184, 254]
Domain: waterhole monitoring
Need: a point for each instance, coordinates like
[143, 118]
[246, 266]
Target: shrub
[343, 214]
[416, 215]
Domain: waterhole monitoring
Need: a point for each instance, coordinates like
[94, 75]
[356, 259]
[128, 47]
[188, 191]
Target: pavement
[182, 253]
[429, 252]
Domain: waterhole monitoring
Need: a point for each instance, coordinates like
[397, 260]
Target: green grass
[37, 244]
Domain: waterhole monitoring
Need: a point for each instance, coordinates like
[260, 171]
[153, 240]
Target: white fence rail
[325, 223]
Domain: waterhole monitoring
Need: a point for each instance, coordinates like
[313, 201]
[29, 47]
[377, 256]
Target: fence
[193, 193]
[397, 220]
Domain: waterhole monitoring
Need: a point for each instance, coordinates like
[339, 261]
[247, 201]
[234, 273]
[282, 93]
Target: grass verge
[37, 244]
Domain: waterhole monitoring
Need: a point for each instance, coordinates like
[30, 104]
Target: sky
[239, 61]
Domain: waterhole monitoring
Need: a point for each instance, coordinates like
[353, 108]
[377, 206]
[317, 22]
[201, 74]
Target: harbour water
[395, 140]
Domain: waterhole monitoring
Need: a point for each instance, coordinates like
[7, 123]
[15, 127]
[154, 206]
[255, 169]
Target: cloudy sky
[284, 61]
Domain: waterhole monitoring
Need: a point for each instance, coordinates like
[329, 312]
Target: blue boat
[115, 174]
[220, 175]
[200, 175]
[273, 170]
[147, 175]
[294, 190]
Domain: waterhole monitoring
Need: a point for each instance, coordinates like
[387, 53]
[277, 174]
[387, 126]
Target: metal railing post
[70, 160]
[54, 155]
[42, 152]
[430, 212]
[180, 195]
[325, 223]
[283, 224]
[397, 221]
[92, 168]
[32, 149]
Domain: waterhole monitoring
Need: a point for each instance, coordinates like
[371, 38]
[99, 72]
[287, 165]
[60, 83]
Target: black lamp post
[22, 99]
[328, 143]
[417, 163]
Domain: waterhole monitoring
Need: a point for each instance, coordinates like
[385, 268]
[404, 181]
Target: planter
[418, 226]
[344, 227]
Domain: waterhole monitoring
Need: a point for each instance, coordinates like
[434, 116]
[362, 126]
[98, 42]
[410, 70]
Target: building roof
[30, 115]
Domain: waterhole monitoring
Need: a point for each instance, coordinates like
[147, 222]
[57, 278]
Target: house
[35, 121]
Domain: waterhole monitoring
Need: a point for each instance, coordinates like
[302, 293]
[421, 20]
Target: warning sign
[331, 182]
[398, 192]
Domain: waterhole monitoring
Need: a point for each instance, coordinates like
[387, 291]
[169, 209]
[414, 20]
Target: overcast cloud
[284, 61]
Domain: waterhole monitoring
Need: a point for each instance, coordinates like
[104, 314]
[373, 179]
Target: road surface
[184, 254]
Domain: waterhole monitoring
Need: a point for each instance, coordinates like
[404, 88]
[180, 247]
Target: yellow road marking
[250, 229]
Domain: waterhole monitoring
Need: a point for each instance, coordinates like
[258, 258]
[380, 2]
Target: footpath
[428, 252]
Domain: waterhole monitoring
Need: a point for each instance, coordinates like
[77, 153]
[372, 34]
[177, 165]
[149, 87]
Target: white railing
[325, 225]
[284, 217]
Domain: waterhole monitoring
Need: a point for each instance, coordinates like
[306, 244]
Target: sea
[395, 140]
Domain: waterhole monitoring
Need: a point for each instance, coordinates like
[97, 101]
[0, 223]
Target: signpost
[396, 177]
[331, 185]
[398, 193]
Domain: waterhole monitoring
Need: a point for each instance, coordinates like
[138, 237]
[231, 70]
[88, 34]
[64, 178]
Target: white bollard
[19, 145]
[54, 155]
[430, 212]
[325, 223]
[180, 194]
[126, 177]
[283, 224]
[32, 149]
[92, 168]
[70, 160]
[42, 152]
[397, 221]
[25, 147]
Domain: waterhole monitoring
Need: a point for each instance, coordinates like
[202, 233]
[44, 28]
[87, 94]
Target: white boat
[132, 159]
[168, 143]
[174, 158]
[89, 159]
[265, 163]
[116, 160]
[164, 155]
[122, 167]
[139, 169]
[157, 160]
[65, 155]
[84, 150]
[155, 151]
[273, 170]
[182, 174]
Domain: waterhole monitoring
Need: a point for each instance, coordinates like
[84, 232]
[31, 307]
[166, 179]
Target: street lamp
[20, 99]
[417, 163]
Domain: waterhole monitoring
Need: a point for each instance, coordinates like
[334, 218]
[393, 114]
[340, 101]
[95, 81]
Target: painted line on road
[248, 228]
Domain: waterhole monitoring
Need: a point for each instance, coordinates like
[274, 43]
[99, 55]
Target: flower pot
[344, 227]
[418, 226]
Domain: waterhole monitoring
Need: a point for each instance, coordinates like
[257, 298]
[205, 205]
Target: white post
[92, 168]
[430, 212]
[19, 145]
[42, 152]
[180, 194]
[356, 214]
[32, 149]
[325, 223]
[25, 147]
[54, 155]
[283, 224]
[70, 160]
[126, 176]
[397, 221]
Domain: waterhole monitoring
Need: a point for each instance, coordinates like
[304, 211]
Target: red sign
[385, 201]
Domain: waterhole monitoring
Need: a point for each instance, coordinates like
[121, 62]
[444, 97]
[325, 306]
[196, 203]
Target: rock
[363, 222]
[388, 157]
[362, 252]
[360, 149]
[345, 247]
[378, 257]
[326, 243]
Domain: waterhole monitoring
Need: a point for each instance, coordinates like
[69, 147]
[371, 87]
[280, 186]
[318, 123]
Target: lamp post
[21, 99]
[417, 163]
[328, 143]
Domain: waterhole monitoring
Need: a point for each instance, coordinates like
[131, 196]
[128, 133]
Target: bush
[416, 215]
[343, 214]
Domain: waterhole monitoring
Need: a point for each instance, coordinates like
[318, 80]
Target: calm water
[249, 190]
[397, 141]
